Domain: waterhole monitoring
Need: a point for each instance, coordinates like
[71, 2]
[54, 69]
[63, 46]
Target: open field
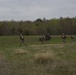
[51, 58]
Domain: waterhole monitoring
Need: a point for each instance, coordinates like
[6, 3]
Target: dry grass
[21, 51]
[44, 57]
[1, 56]
[47, 45]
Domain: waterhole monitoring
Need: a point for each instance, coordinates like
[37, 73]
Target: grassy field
[50, 58]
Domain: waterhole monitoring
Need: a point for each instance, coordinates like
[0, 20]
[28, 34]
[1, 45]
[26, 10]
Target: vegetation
[53, 57]
[53, 26]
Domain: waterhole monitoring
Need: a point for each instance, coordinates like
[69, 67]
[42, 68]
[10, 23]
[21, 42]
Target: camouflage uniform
[22, 40]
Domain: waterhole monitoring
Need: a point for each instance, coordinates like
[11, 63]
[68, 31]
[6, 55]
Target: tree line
[55, 26]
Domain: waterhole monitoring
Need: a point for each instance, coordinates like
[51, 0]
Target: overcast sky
[33, 9]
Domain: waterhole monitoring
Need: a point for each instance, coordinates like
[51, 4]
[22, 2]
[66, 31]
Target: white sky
[33, 9]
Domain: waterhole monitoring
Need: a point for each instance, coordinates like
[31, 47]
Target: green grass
[50, 58]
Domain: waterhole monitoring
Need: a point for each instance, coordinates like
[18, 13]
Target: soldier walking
[63, 37]
[22, 40]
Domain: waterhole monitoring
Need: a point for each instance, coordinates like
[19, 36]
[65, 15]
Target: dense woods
[55, 26]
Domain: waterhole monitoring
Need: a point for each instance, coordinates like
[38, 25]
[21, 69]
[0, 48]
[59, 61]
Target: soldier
[72, 37]
[48, 37]
[43, 38]
[63, 37]
[22, 40]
